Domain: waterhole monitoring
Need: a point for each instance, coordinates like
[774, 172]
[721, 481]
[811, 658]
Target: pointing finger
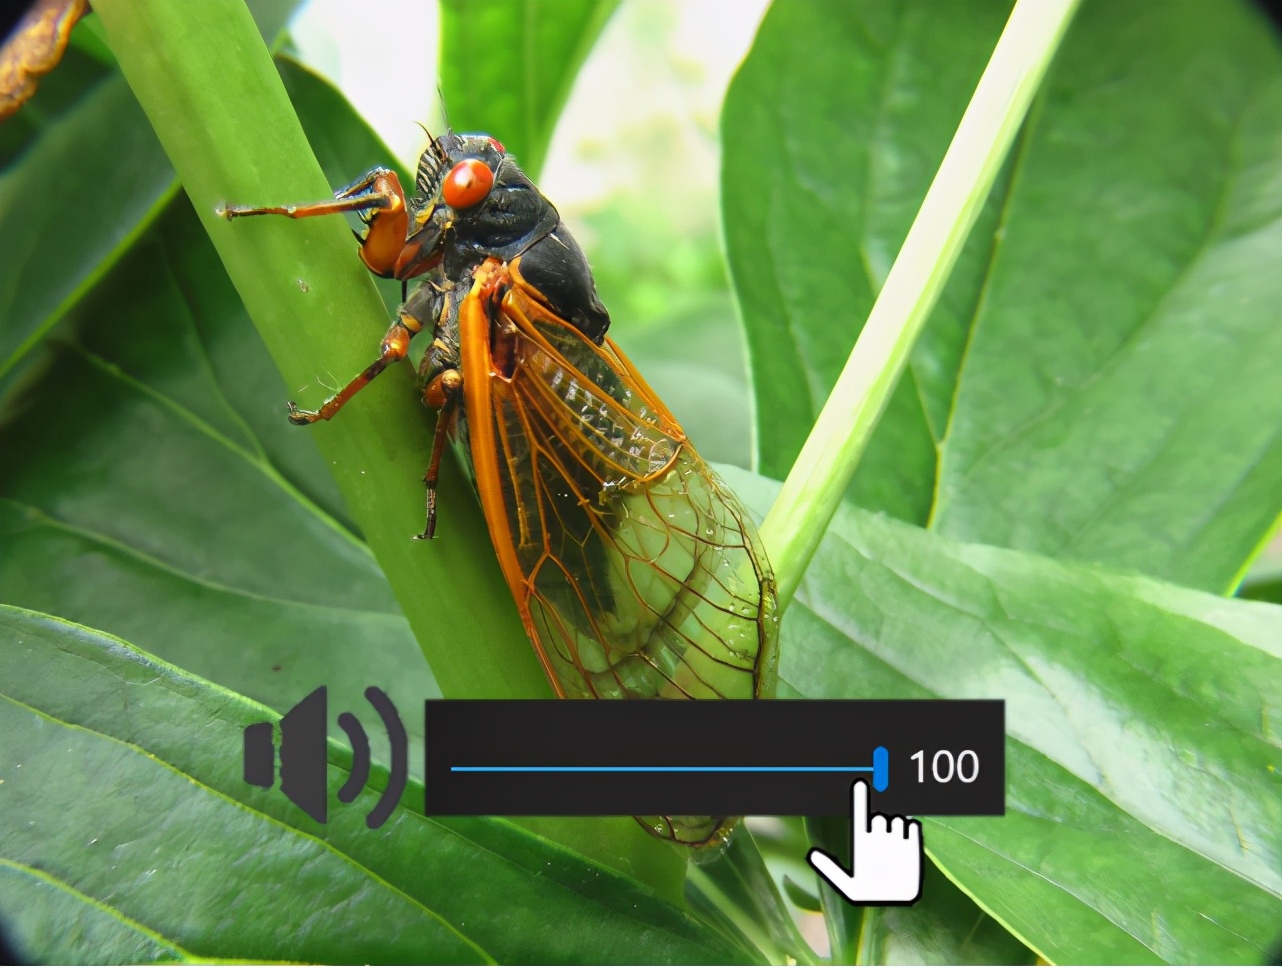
[859, 806]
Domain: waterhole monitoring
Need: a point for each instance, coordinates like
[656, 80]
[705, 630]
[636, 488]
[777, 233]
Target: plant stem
[211, 91]
[818, 480]
[751, 930]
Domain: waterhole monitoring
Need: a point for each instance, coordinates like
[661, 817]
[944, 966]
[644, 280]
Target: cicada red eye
[497, 145]
[467, 184]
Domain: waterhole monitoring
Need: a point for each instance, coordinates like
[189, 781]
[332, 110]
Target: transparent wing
[644, 576]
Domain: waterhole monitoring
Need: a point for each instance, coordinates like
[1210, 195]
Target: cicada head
[473, 201]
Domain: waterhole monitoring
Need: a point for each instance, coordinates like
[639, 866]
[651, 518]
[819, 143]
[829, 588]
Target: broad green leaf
[70, 207]
[42, 913]
[90, 178]
[209, 532]
[944, 928]
[1142, 426]
[1118, 303]
[507, 66]
[177, 508]
[1143, 799]
[127, 813]
[831, 133]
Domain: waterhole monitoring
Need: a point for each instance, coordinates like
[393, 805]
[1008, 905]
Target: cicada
[637, 573]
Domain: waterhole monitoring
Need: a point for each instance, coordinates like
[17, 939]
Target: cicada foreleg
[377, 196]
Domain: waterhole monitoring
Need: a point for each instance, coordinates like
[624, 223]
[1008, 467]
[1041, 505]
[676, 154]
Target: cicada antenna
[429, 163]
[431, 141]
[445, 112]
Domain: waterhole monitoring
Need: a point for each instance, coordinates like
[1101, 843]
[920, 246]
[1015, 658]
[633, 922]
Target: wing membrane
[642, 577]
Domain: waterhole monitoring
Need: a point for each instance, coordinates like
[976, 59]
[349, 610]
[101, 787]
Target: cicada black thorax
[508, 219]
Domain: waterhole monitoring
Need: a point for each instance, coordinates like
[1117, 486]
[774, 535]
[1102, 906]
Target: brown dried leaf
[34, 49]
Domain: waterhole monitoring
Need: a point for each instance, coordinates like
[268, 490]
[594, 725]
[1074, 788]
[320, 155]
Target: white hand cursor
[885, 861]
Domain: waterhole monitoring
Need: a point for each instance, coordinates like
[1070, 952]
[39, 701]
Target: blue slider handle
[880, 769]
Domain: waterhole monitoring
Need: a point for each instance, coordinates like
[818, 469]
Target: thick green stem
[208, 85]
[827, 462]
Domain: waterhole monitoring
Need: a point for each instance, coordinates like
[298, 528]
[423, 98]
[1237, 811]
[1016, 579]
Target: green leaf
[1143, 801]
[77, 72]
[209, 371]
[944, 928]
[1109, 405]
[90, 178]
[58, 247]
[45, 914]
[1143, 427]
[737, 886]
[128, 817]
[194, 520]
[507, 66]
[247, 572]
[801, 897]
[844, 921]
[831, 133]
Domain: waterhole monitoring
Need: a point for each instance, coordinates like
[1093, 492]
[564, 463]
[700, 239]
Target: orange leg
[395, 345]
[377, 193]
[329, 207]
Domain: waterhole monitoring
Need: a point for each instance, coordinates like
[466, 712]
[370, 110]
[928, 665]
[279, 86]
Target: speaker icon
[303, 739]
